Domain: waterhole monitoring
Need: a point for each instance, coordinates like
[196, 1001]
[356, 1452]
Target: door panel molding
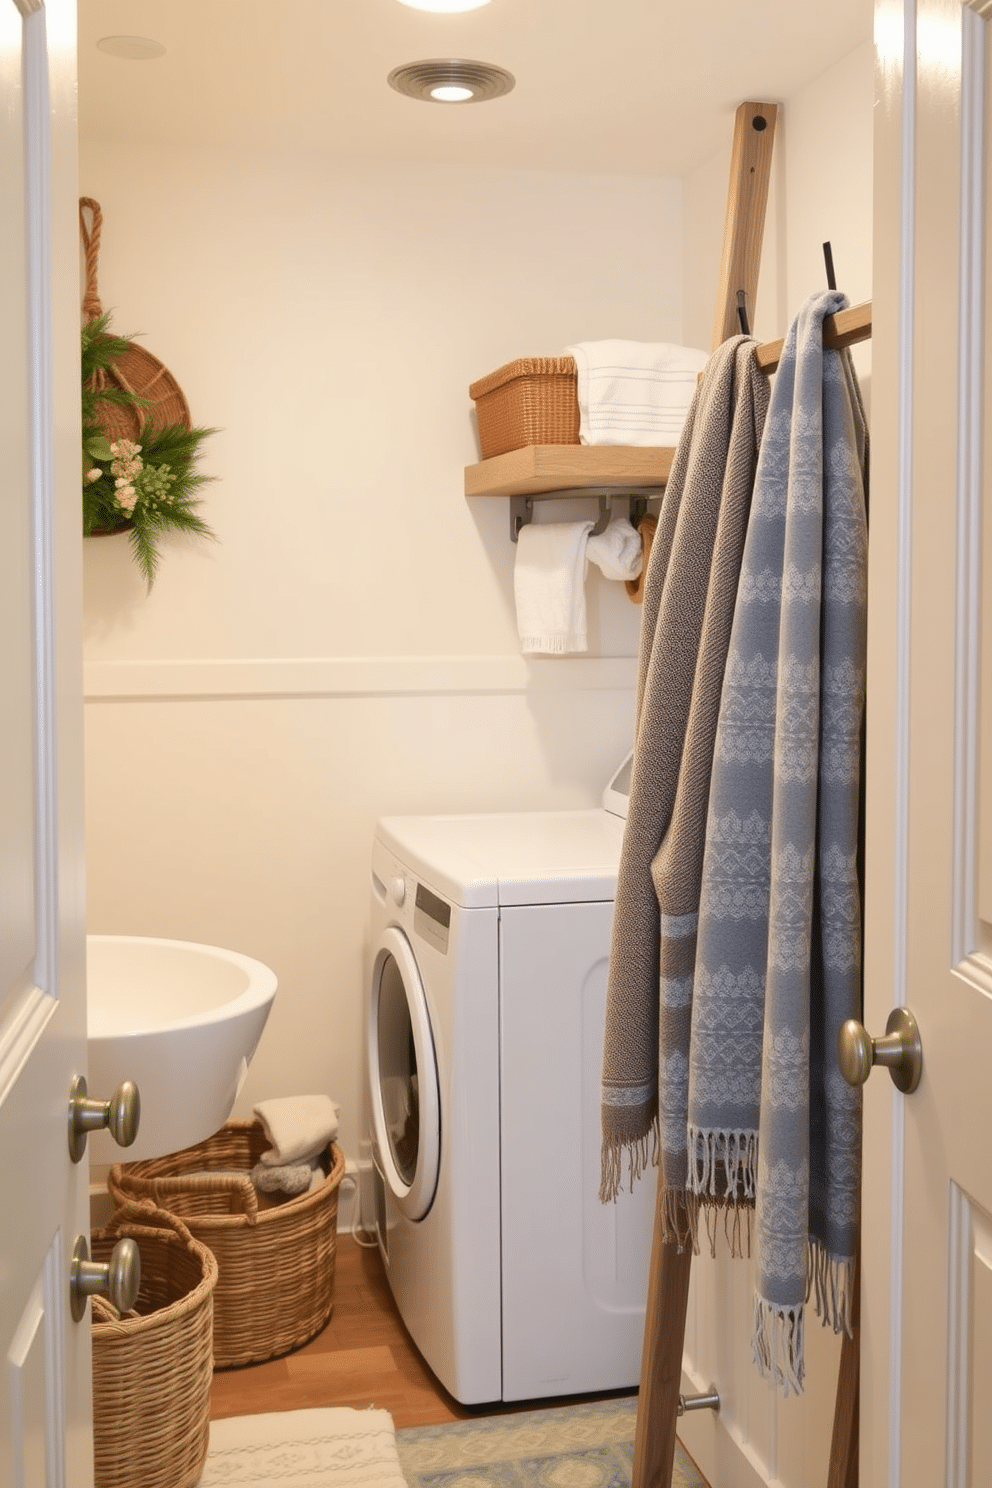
[32, 1362]
[972, 692]
[969, 1315]
[21, 1032]
[38, 151]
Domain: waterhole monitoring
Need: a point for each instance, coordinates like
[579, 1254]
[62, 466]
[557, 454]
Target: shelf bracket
[521, 512]
[522, 507]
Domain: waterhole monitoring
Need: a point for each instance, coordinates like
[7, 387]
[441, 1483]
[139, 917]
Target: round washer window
[403, 1077]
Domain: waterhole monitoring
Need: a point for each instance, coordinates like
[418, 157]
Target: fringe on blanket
[777, 1345]
[641, 1153]
[777, 1342]
[681, 1212]
[736, 1218]
[723, 1176]
[680, 1219]
[830, 1281]
[723, 1164]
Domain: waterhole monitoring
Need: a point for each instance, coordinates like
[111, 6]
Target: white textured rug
[328, 1448]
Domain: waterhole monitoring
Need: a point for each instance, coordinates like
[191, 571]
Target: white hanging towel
[549, 587]
[634, 392]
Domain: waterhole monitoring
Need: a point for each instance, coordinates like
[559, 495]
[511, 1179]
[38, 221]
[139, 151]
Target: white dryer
[486, 1006]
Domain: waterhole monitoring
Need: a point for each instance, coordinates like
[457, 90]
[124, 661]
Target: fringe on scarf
[777, 1345]
[639, 1158]
[723, 1165]
[830, 1282]
[680, 1219]
[778, 1341]
[680, 1215]
[736, 1225]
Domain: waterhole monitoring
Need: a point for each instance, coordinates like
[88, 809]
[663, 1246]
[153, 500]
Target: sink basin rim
[259, 985]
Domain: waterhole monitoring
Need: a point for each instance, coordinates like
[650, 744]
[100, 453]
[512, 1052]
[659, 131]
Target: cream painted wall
[347, 648]
[328, 318]
[821, 191]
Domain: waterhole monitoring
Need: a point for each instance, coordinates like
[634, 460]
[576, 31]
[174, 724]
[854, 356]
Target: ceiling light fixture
[448, 94]
[447, 7]
[451, 80]
[131, 48]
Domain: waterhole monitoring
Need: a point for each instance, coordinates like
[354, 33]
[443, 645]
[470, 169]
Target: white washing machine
[486, 1006]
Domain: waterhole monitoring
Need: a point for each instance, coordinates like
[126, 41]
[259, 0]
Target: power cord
[361, 1237]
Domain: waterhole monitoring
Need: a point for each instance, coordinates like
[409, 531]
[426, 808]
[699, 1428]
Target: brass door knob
[120, 1115]
[899, 1050]
[119, 1278]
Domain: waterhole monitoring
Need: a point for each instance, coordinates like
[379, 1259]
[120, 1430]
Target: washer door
[403, 1079]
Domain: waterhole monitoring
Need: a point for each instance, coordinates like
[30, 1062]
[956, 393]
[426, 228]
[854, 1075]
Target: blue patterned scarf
[778, 954]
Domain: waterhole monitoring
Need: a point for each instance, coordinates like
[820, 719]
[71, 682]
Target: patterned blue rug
[572, 1446]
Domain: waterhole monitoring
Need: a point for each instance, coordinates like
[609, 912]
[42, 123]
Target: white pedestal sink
[182, 1021]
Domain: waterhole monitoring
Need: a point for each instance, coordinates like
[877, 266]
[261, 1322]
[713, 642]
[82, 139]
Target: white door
[45, 1429]
[927, 1297]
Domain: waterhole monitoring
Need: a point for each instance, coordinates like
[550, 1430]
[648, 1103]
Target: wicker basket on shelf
[152, 1367]
[530, 401]
[275, 1285]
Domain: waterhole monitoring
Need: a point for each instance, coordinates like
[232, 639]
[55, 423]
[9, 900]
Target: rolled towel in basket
[290, 1178]
[299, 1128]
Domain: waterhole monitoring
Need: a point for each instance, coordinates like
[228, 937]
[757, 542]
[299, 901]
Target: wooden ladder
[659, 1401]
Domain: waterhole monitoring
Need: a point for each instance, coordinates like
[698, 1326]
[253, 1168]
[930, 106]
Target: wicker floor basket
[275, 1287]
[530, 401]
[152, 1368]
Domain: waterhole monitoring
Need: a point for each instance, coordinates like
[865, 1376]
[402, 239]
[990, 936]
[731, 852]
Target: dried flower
[127, 461]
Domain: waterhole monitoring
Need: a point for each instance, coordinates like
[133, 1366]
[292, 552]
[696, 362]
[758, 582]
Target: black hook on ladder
[742, 313]
[828, 263]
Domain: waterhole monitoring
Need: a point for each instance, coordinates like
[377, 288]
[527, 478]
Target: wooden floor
[363, 1357]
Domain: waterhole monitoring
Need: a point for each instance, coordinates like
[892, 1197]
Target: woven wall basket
[275, 1284]
[137, 371]
[152, 1368]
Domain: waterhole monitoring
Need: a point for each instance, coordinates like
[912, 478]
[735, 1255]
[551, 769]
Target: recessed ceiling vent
[451, 80]
[131, 48]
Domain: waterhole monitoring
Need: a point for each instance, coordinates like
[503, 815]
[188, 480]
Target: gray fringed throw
[779, 947]
[689, 596]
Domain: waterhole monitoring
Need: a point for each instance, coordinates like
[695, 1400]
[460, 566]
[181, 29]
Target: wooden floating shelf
[563, 469]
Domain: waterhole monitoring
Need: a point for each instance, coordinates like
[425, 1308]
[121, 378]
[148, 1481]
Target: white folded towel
[298, 1126]
[549, 586]
[634, 392]
[617, 551]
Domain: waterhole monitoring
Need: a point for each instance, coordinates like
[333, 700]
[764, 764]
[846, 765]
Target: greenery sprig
[146, 487]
